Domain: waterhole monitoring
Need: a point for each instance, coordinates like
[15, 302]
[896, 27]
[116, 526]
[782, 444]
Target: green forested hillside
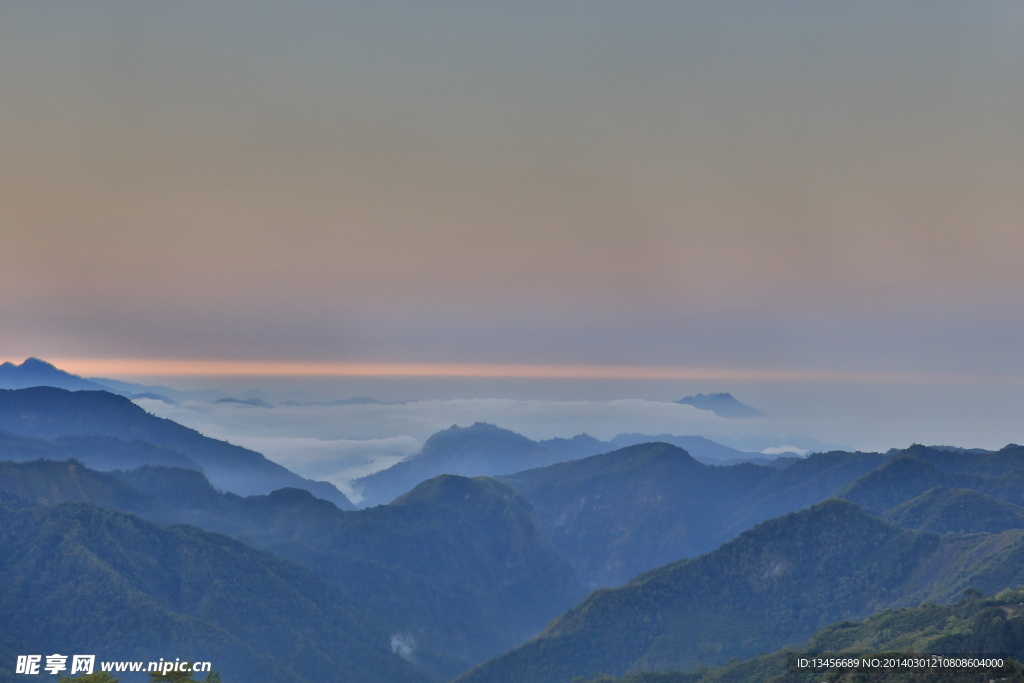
[457, 564]
[901, 479]
[456, 569]
[972, 626]
[774, 585]
[46, 482]
[617, 514]
[917, 469]
[961, 511]
[76, 578]
[1008, 486]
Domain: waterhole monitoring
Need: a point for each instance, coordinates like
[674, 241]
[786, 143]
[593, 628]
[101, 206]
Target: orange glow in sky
[228, 368]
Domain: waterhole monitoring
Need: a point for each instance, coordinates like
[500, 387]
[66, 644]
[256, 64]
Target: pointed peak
[38, 363]
[721, 404]
[35, 372]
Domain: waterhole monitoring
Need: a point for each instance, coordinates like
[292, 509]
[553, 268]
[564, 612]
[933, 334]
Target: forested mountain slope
[974, 625]
[773, 585]
[961, 511]
[77, 578]
[103, 453]
[456, 569]
[617, 514]
[620, 513]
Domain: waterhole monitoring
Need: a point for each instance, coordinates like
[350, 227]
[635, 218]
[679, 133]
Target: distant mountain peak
[479, 449]
[28, 365]
[723, 405]
[259, 403]
[33, 362]
[35, 372]
[47, 412]
[467, 435]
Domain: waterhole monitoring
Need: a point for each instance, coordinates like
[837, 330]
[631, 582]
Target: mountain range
[481, 449]
[694, 564]
[456, 569]
[428, 564]
[486, 450]
[78, 578]
[35, 372]
[774, 585]
[617, 514]
[973, 625]
[702, 449]
[48, 413]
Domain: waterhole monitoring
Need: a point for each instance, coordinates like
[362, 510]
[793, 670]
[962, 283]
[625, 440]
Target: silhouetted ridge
[485, 450]
[703, 450]
[48, 413]
[449, 489]
[258, 403]
[971, 461]
[479, 450]
[35, 372]
[723, 405]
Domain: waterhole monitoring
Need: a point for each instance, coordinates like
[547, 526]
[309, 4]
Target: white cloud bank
[784, 450]
[419, 419]
[338, 461]
[341, 443]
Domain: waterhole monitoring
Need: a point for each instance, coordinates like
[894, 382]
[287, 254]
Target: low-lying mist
[339, 443]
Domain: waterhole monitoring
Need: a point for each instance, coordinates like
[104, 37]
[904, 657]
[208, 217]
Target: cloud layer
[341, 443]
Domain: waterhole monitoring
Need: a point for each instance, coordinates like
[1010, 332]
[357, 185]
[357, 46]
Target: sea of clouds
[339, 443]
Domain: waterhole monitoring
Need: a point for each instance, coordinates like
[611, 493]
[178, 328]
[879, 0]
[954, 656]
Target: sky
[765, 195]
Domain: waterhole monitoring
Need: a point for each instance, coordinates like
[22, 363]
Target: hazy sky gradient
[797, 185]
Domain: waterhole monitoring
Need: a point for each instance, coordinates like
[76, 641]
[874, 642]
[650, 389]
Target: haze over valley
[563, 342]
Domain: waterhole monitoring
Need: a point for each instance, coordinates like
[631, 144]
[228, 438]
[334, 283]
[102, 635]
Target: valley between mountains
[488, 557]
